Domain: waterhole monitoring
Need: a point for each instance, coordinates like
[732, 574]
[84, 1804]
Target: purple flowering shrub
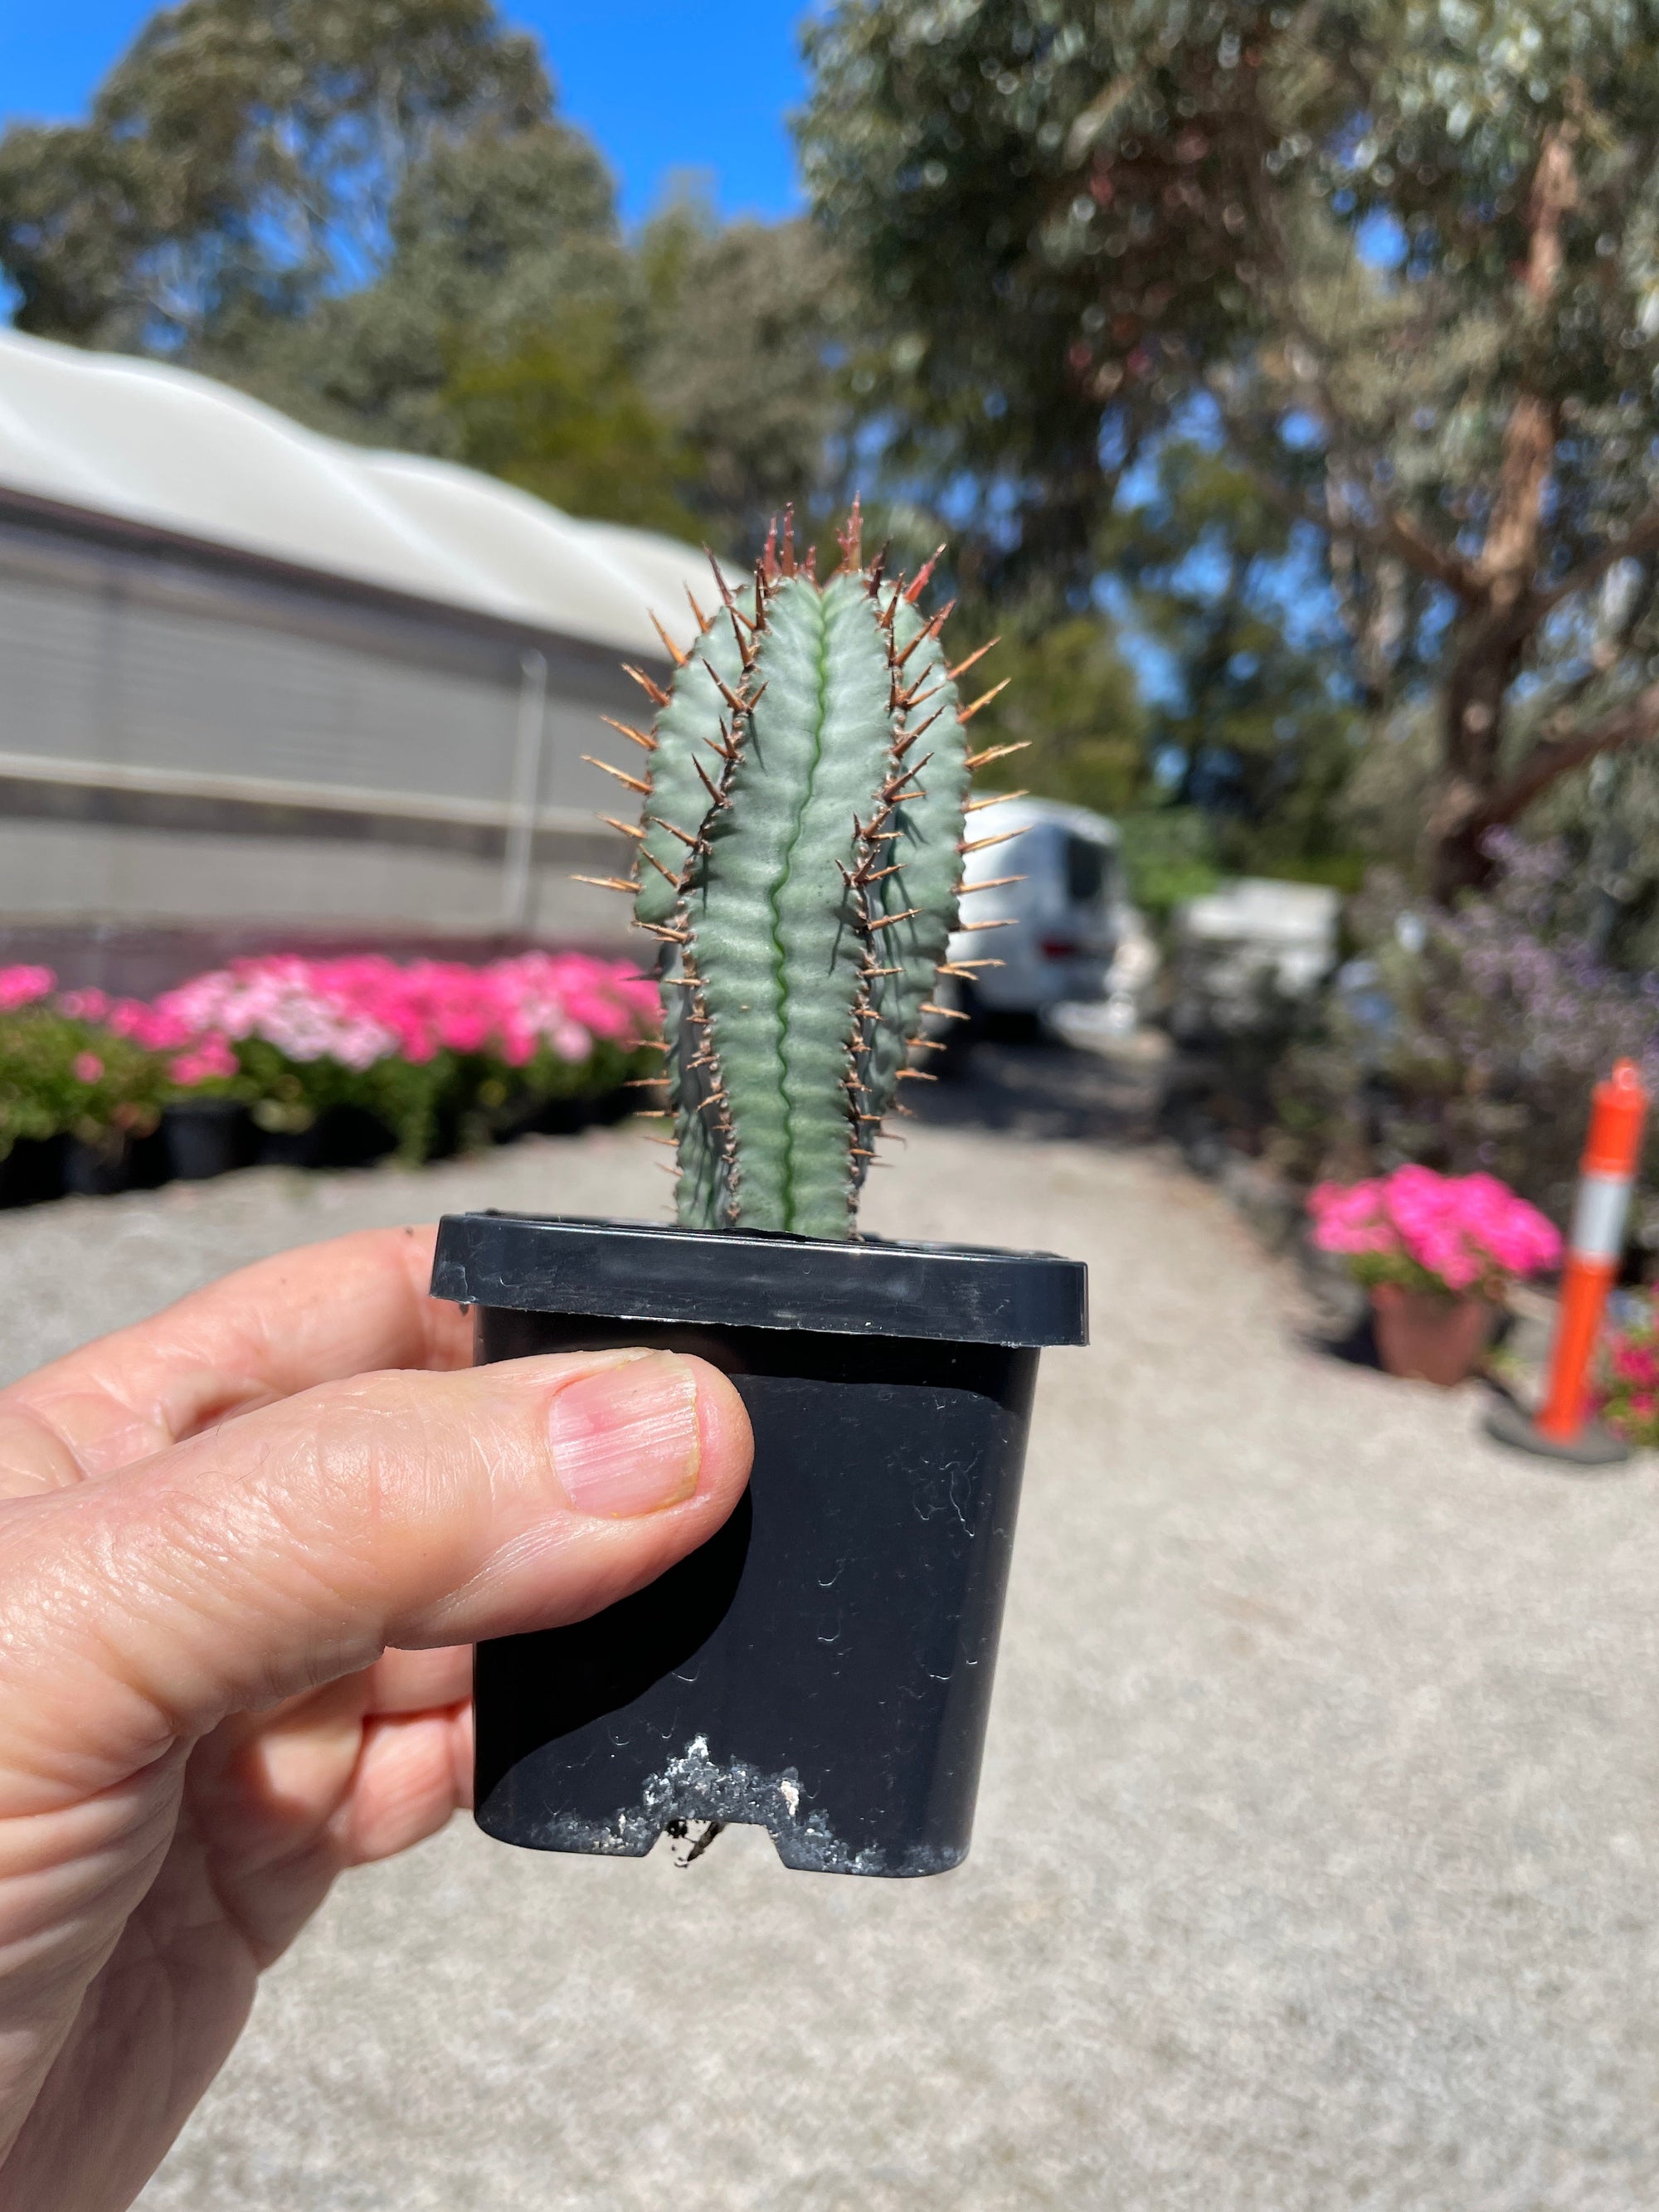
[1479, 1045]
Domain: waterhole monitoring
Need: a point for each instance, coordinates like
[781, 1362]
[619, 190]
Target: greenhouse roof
[107, 434]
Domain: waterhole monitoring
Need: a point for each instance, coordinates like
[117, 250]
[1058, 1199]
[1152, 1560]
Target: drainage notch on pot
[822, 1668]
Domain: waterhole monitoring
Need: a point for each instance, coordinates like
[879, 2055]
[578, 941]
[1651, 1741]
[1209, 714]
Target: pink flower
[87, 1067]
[211, 1060]
[1466, 1231]
[1635, 1363]
[21, 987]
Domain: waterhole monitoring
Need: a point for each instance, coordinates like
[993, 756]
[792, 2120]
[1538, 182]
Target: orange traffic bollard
[1562, 1428]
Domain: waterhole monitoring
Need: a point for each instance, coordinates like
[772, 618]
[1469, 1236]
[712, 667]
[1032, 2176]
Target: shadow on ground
[1042, 1089]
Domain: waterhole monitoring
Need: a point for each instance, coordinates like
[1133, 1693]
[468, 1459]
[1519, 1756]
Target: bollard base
[1507, 1422]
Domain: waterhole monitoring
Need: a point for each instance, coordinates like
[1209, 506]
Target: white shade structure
[160, 445]
[256, 681]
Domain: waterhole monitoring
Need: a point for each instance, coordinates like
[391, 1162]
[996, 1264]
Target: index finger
[314, 1315]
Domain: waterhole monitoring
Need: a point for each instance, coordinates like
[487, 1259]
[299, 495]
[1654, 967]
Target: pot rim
[650, 1271]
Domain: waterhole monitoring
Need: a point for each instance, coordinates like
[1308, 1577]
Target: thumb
[293, 1545]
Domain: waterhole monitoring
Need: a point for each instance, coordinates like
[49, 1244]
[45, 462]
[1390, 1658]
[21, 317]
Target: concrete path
[1314, 1864]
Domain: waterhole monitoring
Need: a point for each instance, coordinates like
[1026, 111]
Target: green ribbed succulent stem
[800, 865]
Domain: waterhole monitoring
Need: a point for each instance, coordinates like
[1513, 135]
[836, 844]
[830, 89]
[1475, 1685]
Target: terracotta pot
[1427, 1339]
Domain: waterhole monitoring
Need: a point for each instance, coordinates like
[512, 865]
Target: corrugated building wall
[212, 739]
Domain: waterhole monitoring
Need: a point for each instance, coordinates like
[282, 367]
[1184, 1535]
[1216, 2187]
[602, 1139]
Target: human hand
[244, 1548]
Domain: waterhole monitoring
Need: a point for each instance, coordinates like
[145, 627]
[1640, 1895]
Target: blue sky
[662, 85]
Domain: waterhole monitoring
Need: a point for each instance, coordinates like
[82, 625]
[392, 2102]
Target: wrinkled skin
[243, 1551]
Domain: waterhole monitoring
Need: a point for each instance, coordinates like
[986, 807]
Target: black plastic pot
[100, 1168]
[340, 1137]
[208, 1137]
[822, 1668]
[32, 1172]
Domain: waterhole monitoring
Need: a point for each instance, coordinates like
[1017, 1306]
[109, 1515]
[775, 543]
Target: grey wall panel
[53, 650]
[117, 664]
[93, 875]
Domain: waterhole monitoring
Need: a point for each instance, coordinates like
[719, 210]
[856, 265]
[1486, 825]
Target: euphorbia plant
[822, 1665]
[806, 803]
[1452, 1237]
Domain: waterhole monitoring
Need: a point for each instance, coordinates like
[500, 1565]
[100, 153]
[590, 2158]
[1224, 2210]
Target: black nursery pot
[822, 1668]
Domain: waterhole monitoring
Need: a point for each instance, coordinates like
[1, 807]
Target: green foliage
[742, 329]
[60, 1076]
[371, 217]
[453, 1099]
[242, 157]
[562, 416]
[1168, 855]
[1071, 699]
[815, 884]
[1403, 257]
[1255, 727]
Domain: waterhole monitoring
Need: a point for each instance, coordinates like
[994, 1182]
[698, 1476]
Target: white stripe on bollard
[1598, 1216]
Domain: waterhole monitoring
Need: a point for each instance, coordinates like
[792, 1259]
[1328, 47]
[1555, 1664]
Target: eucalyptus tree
[1399, 258]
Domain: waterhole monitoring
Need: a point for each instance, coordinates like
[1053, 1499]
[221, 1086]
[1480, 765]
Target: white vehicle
[1251, 941]
[1064, 916]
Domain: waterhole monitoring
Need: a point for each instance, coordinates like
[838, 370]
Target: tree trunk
[1502, 610]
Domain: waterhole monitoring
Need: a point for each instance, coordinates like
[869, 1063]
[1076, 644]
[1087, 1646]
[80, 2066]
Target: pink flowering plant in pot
[1626, 1381]
[64, 1072]
[1437, 1254]
[437, 1053]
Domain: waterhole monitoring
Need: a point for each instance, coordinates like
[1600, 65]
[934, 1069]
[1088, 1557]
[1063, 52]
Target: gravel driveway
[1314, 1856]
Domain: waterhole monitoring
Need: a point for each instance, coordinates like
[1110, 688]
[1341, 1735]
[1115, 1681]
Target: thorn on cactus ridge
[850, 536]
[679, 659]
[888, 920]
[704, 778]
[978, 653]
[702, 620]
[668, 936]
[667, 874]
[628, 828]
[923, 637]
[608, 884]
[726, 599]
[924, 575]
[915, 1075]
[738, 704]
[786, 560]
[995, 752]
[632, 781]
[992, 883]
[968, 928]
[950, 1013]
[919, 731]
[652, 690]
[684, 836]
[994, 799]
[968, 967]
[967, 713]
[984, 844]
[627, 730]
[910, 700]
